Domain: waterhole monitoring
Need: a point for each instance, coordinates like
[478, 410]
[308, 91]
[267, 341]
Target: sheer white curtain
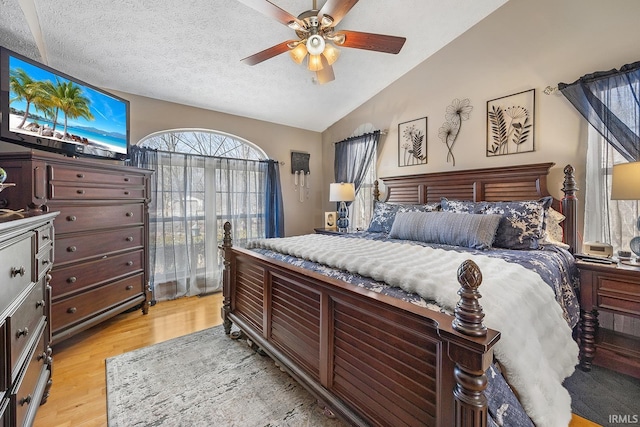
[362, 206]
[606, 220]
[194, 196]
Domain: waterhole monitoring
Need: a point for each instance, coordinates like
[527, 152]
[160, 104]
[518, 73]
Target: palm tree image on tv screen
[47, 105]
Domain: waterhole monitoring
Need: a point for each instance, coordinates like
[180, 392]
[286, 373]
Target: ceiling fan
[317, 36]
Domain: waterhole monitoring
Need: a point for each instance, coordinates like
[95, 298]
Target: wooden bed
[318, 328]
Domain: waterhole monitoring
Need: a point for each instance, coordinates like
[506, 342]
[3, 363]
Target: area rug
[205, 379]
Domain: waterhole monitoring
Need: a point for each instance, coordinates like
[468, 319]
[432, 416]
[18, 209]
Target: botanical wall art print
[510, 124]
[455, 114]
[412, 142]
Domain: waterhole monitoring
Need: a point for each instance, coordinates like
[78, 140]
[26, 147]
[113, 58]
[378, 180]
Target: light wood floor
[78, 396]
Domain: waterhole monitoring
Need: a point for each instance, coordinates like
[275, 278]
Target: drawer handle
[15, 271]
[129, 239]
[126, 180]
[71, 310]
[40, 304]
[72, 279]
[22, 332]
[44, 356]
[45, 237]
[80, 175]
[45, 261]
[129, 214]
[129, 287]
[126, 193]
[71, 218]
[25, 400]
[71, 249]
[80, 191]
[129, 263]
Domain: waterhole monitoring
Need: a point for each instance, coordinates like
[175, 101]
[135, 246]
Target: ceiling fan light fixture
[315, 44]
[326, 21]
[337, 38]
[298, 53]
[331, 53]
[295, 26]
[315, 63]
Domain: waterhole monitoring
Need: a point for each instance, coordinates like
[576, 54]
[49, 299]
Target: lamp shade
[315, 44]
[625, 183]
[298, 53]
[315, 63]
[342, 192]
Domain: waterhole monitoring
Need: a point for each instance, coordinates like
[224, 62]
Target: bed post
[570, 209]
[226, 277]
[376, 191]
[469, 371]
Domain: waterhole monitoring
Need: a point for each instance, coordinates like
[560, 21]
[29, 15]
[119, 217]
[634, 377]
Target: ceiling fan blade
[326, 74]
[336, 9]
[370, 41]
[267, 53]
[269, 9]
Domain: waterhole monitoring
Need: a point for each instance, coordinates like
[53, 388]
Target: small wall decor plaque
[510, 124]
[300, 162]
[412, 142]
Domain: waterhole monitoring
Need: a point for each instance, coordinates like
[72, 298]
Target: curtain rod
[382, 132]
[281, 163]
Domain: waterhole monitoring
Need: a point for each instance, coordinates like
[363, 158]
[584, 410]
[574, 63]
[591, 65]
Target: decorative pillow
[384, 213]
[553, 233]
[522, 224]
[449, 228]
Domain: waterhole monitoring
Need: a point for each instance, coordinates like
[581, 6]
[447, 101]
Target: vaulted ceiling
[189, 51]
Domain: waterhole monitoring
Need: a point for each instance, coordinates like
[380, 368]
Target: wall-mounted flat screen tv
[49, 110]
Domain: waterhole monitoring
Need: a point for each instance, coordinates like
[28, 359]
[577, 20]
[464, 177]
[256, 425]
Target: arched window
[203, 178]
[205, 142]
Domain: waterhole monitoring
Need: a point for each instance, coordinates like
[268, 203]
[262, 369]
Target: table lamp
[342, 192]
[625, 185]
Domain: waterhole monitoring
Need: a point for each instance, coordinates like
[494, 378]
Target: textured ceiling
[189, 51]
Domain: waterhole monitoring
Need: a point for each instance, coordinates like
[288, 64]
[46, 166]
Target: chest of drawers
[101, 233]
[26, 258]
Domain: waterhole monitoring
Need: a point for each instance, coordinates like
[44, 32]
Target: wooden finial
[570, 209]
[376, 191]
[569, 186]
[226, 238]
[468, 312]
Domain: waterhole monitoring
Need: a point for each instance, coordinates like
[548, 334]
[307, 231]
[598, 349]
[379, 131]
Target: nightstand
[328, 231]
[615, 289]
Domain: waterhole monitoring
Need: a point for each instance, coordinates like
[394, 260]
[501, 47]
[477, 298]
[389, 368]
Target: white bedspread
[536, 348]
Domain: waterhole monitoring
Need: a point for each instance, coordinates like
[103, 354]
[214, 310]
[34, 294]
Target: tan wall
[525, 44]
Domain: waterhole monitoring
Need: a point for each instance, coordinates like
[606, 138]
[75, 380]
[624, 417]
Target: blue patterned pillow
[448, 228]
[522, 223]
[384, 213]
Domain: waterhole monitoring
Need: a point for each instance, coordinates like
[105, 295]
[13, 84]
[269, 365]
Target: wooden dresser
[26, 257]
[101, 233]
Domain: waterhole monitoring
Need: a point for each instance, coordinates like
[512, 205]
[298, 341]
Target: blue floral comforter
[555, 266]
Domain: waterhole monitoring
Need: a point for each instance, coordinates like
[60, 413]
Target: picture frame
[511, 124]
[412, 142]
[331, 220]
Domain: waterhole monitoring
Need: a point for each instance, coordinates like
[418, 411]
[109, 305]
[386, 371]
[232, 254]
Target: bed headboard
[523, 182]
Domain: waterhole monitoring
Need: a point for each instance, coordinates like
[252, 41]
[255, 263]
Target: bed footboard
[368, 358]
